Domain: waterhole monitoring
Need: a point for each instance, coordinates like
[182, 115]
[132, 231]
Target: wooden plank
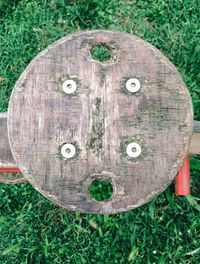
[18, 177]
[195, 142]
[196, 127]
[100, 119]
[6, 157]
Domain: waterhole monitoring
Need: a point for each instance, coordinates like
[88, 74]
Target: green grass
[34, 230]
[101, 190]
[100, 53]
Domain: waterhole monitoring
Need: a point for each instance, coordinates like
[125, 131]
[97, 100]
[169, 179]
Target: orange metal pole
[182, 181]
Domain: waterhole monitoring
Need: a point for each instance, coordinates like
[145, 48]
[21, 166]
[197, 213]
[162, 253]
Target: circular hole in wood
[101, 52]
[68, 150]
[69, 86]
[134, 149]
[101, 190]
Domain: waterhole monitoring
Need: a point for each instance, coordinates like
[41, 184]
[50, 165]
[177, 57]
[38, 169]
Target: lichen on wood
[95, 137]
[146, 151]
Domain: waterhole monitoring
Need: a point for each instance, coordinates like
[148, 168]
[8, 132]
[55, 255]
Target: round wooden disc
[100, 119]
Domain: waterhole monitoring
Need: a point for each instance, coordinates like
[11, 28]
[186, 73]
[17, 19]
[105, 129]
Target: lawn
[33, 229]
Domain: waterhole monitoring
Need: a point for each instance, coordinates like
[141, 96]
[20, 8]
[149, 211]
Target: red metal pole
[9, 170]
[182, 181]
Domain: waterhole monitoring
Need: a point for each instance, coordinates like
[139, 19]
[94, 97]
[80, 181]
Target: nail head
[133, 150]
[69, 86]
[68, 151]
[133, 85]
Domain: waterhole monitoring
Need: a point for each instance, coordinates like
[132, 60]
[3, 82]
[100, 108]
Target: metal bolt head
[68, 151]
[133, 150]
[133, 85]
[69, 86]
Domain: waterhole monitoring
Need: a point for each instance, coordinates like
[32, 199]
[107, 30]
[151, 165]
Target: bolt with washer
[68, 151]
[133, 85]
[69, 86]
[133, 150]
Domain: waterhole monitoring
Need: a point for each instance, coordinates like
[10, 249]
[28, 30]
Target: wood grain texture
[100, 119]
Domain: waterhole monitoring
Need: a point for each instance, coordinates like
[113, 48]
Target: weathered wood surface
[101, 118]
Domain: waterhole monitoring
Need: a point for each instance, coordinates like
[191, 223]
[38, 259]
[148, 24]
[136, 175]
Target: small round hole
[68, 150]
[69, 86]
[134, 149]
[101, 190]
[101, 53]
